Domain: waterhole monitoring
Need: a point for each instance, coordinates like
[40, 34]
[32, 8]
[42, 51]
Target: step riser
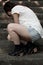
[39, 62]
[35, 9]
[31, 3]
[6, 46]
[36, 0]
[4, 24]
[39, 15]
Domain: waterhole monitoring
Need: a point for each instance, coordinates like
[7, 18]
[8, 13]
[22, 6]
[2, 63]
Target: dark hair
[8, 6]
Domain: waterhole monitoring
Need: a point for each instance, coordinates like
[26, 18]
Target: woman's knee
[9, 27]
[9, 37]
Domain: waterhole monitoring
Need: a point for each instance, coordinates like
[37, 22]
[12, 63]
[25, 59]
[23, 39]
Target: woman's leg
[14, 37]
[16, 30]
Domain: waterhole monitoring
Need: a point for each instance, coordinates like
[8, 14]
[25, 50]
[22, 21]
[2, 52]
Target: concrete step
[33, 3]
[3, 16]
[4, 23]
[6, 46]
[35, 9]
[3, 26]
[40, 15]
[36, 59]
[29, 3]
[36, 0]
[28, 0]
[4, 33]
[5, 59]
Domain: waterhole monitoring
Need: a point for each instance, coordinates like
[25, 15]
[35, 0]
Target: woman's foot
[33, 48]
[17, 50]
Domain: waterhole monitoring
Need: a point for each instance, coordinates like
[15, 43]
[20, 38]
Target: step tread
[33, 3]
[35, 0]
[35, 9]
[4, 23]
[28, 59]
[30, 3]
[39, 15]
[38, 56]
[8, 60]
[4, 45]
